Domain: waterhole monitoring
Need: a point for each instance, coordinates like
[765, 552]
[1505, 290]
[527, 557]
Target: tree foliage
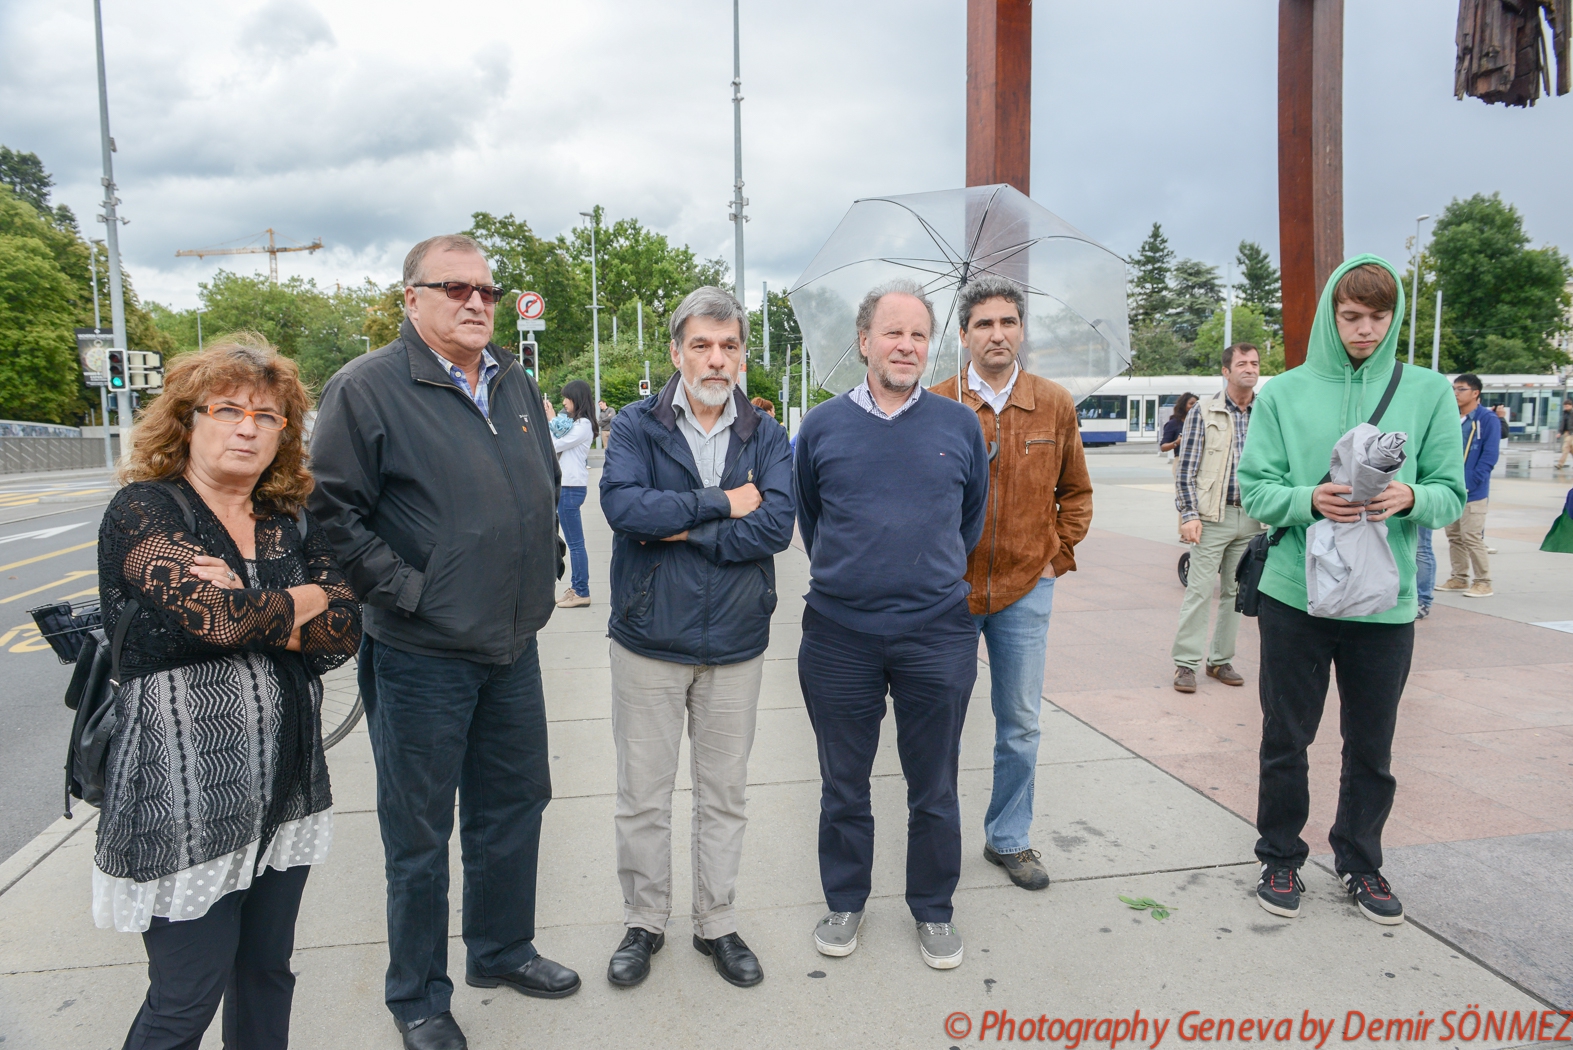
[1150, 298]
[1196, 292]
[1260, 286]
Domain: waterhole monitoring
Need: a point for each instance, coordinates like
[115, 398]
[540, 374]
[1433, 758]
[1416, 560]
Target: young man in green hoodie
[1297, 419]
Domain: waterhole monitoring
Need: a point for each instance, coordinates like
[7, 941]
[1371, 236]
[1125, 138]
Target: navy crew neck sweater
[889, 509]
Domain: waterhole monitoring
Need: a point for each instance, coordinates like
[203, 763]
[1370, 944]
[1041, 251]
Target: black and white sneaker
[1279, 889]
[1374, 896]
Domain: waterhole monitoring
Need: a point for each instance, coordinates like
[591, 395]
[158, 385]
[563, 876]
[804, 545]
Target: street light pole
[764, 315]
[1436, 334]
[739, 202]
[595, 313]
[117, 301]
[98, 325]
[1414, 293]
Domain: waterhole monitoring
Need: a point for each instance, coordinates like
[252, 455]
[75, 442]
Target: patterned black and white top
[217, 749]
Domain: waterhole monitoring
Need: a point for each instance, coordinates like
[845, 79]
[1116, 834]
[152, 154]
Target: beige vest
[1217, 464]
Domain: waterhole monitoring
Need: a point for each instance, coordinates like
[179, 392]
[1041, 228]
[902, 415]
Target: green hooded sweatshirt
[1301, 414]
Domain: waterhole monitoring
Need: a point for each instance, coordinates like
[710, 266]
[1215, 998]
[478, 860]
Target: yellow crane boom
[271, 249]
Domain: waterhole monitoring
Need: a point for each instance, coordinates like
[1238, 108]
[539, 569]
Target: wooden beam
[999, 92]
[1310, 159]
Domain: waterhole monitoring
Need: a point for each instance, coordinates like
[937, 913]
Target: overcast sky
[374, 125]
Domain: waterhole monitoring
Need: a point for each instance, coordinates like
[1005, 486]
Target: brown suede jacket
[1040, 496]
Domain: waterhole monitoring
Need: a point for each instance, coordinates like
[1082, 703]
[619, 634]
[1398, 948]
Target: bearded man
[697, 487]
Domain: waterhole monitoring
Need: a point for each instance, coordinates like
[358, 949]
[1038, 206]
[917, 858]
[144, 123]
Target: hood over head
[1325, 354]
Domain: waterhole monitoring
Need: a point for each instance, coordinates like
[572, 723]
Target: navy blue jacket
[1482, 442]
[707, 600]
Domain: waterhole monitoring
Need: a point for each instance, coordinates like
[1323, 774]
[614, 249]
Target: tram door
[1143, 416]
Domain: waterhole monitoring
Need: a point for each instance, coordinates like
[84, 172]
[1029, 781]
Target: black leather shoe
[734, 960]
[540, 977]
[631, 961]
[437, 1032]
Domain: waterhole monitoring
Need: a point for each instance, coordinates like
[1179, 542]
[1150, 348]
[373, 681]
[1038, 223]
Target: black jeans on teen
[440, 725]
[929, 675]
[240, 951]
[1372, 661]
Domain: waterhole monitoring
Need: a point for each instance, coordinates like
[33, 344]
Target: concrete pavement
[1109, 822]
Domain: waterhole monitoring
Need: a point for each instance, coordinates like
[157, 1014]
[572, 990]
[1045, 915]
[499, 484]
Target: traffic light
[116, 369]
[529, 355]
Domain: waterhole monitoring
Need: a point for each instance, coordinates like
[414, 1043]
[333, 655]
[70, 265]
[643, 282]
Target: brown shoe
[1025, 868]
[1225, 673]
[1479, 589]
[1184, 680]
[1453, 584]
[572, 600]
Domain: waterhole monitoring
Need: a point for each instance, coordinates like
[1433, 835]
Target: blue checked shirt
[1191, 442]
[489, 370]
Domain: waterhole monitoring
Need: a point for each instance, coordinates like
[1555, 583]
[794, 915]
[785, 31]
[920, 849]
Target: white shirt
[573, 453]
[864, 399]
[709, 449]
[986, 392]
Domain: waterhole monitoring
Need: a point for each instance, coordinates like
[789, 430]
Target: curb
[19, 864]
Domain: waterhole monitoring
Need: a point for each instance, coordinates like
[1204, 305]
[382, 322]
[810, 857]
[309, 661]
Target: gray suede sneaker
[940, 943]
[837, 933]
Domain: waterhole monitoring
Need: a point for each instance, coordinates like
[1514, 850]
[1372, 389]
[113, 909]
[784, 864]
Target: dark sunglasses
[460, 292]
[233, 414]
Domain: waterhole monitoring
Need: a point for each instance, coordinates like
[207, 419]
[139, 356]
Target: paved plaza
[1141, 792]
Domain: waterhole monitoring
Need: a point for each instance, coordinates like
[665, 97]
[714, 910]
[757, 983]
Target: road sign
[531, 306]
[92, 348]
[535, 325]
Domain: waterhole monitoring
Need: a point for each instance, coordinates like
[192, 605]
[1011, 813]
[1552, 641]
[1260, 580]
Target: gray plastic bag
[1349, 568]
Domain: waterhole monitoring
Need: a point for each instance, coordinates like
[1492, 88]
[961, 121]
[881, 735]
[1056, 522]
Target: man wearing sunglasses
[437, 485]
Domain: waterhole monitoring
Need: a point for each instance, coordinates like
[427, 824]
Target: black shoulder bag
[94, 682]
[1248, 574]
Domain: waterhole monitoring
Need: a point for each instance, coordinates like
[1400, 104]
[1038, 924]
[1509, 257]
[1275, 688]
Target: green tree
[1247, 326]
[1503, 301]
[1196, 292]
[1157, 351]
[1260, 287]
[1150, 297]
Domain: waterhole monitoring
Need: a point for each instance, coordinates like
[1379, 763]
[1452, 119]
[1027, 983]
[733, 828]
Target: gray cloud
[284, 29]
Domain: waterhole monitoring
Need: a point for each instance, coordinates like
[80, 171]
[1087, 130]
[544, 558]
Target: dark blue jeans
[438, 725]
[568, 505]
[929, 675]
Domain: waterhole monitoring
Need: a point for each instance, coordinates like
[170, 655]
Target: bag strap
[185, 504]
[1376, 417]
[123, 624]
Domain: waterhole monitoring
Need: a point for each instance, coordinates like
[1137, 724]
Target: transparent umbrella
[1076, 332]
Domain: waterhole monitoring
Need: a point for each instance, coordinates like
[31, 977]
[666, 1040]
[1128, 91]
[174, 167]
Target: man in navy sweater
[891, 486]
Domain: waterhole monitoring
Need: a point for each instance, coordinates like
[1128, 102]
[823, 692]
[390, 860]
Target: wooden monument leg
[999, 92]
[1310, 159]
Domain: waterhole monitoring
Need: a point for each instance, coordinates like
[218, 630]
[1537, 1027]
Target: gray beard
[894, 385]
[707, 395]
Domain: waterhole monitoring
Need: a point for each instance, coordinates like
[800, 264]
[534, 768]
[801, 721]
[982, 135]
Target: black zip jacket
[445, 521]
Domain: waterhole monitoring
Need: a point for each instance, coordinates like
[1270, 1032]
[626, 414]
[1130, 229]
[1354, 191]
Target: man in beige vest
[1207, 496]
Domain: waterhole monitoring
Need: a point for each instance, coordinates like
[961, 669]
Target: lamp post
[199, 329]
[595, 313]
[103, 395]
[111, 221]
[367, 340]
[739, 202]
[1414, 292]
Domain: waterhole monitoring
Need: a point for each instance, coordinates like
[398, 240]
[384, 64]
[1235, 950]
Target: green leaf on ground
[1147, 904]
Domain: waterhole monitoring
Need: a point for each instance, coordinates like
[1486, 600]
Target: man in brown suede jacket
[1040, 505]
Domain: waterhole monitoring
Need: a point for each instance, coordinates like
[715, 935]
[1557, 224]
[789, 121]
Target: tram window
[1101, 406]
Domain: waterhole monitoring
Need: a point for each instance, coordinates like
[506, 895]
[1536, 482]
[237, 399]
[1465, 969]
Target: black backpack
[94, 683]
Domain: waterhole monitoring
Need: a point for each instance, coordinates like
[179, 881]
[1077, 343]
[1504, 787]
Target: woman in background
[1170, 442]
[572, 434]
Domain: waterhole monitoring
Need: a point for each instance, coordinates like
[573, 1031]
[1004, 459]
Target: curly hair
[161, 442]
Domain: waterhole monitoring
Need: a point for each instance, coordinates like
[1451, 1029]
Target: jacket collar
[426, 368]
[743, 426]
[1022, 395]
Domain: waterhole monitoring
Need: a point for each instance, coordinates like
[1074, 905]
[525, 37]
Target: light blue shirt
[480, 395]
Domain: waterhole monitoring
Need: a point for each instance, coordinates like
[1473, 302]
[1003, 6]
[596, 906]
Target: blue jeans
[1018, 641]
[1425, 568]
[568, 505]
[439, 725]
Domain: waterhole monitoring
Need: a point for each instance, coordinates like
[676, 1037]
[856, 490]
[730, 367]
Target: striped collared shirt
[861, 397]
[1191, 443]
[480, 395]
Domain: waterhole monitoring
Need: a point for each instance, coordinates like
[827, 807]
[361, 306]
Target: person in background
[604, 416]
[1207, 495]
[1502, 414]
[1040, 509]
[1565, 432]
[1425, 572]
[1466, 537]
[572, 443]
[216, 803]
[765, 405]
[1350, 363]
[1174, 428]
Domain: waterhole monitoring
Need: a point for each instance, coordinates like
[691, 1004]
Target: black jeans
[1373, 664]
[239, 951]
[440, 725]
[929, 675]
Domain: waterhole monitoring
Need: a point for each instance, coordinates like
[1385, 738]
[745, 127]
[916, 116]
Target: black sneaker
[1279, 889]
[1374, 896]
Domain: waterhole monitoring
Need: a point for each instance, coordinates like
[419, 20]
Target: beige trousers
[1466, 544]
[650, 699]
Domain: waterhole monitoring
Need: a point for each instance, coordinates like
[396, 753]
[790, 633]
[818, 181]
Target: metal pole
[1228, 308]
[199, 329]
[639, 311]
[786, 383]
[117, 301]
[1414, 294]
[1436, 335]
[803, 354]
[764, 313]
[738, 200]
[595, 311]
[92, 267]
[103, 395]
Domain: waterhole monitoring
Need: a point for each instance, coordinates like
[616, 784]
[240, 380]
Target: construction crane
[271, 249]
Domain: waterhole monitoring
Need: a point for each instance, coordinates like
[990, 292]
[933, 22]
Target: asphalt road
[48, 541]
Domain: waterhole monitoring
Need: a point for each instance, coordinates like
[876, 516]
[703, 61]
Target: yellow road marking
[78, 594]
[5, 639]
[51, 554]
[67, 578]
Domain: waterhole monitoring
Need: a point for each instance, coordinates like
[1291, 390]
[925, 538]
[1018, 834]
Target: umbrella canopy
[1075, 328]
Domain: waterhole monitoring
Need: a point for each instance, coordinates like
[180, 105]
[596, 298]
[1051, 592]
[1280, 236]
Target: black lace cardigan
[175, 799]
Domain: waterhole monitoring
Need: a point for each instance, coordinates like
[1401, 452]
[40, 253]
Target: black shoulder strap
[127, 613]
[301, 524]
[185, 504]
[1376, 417]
